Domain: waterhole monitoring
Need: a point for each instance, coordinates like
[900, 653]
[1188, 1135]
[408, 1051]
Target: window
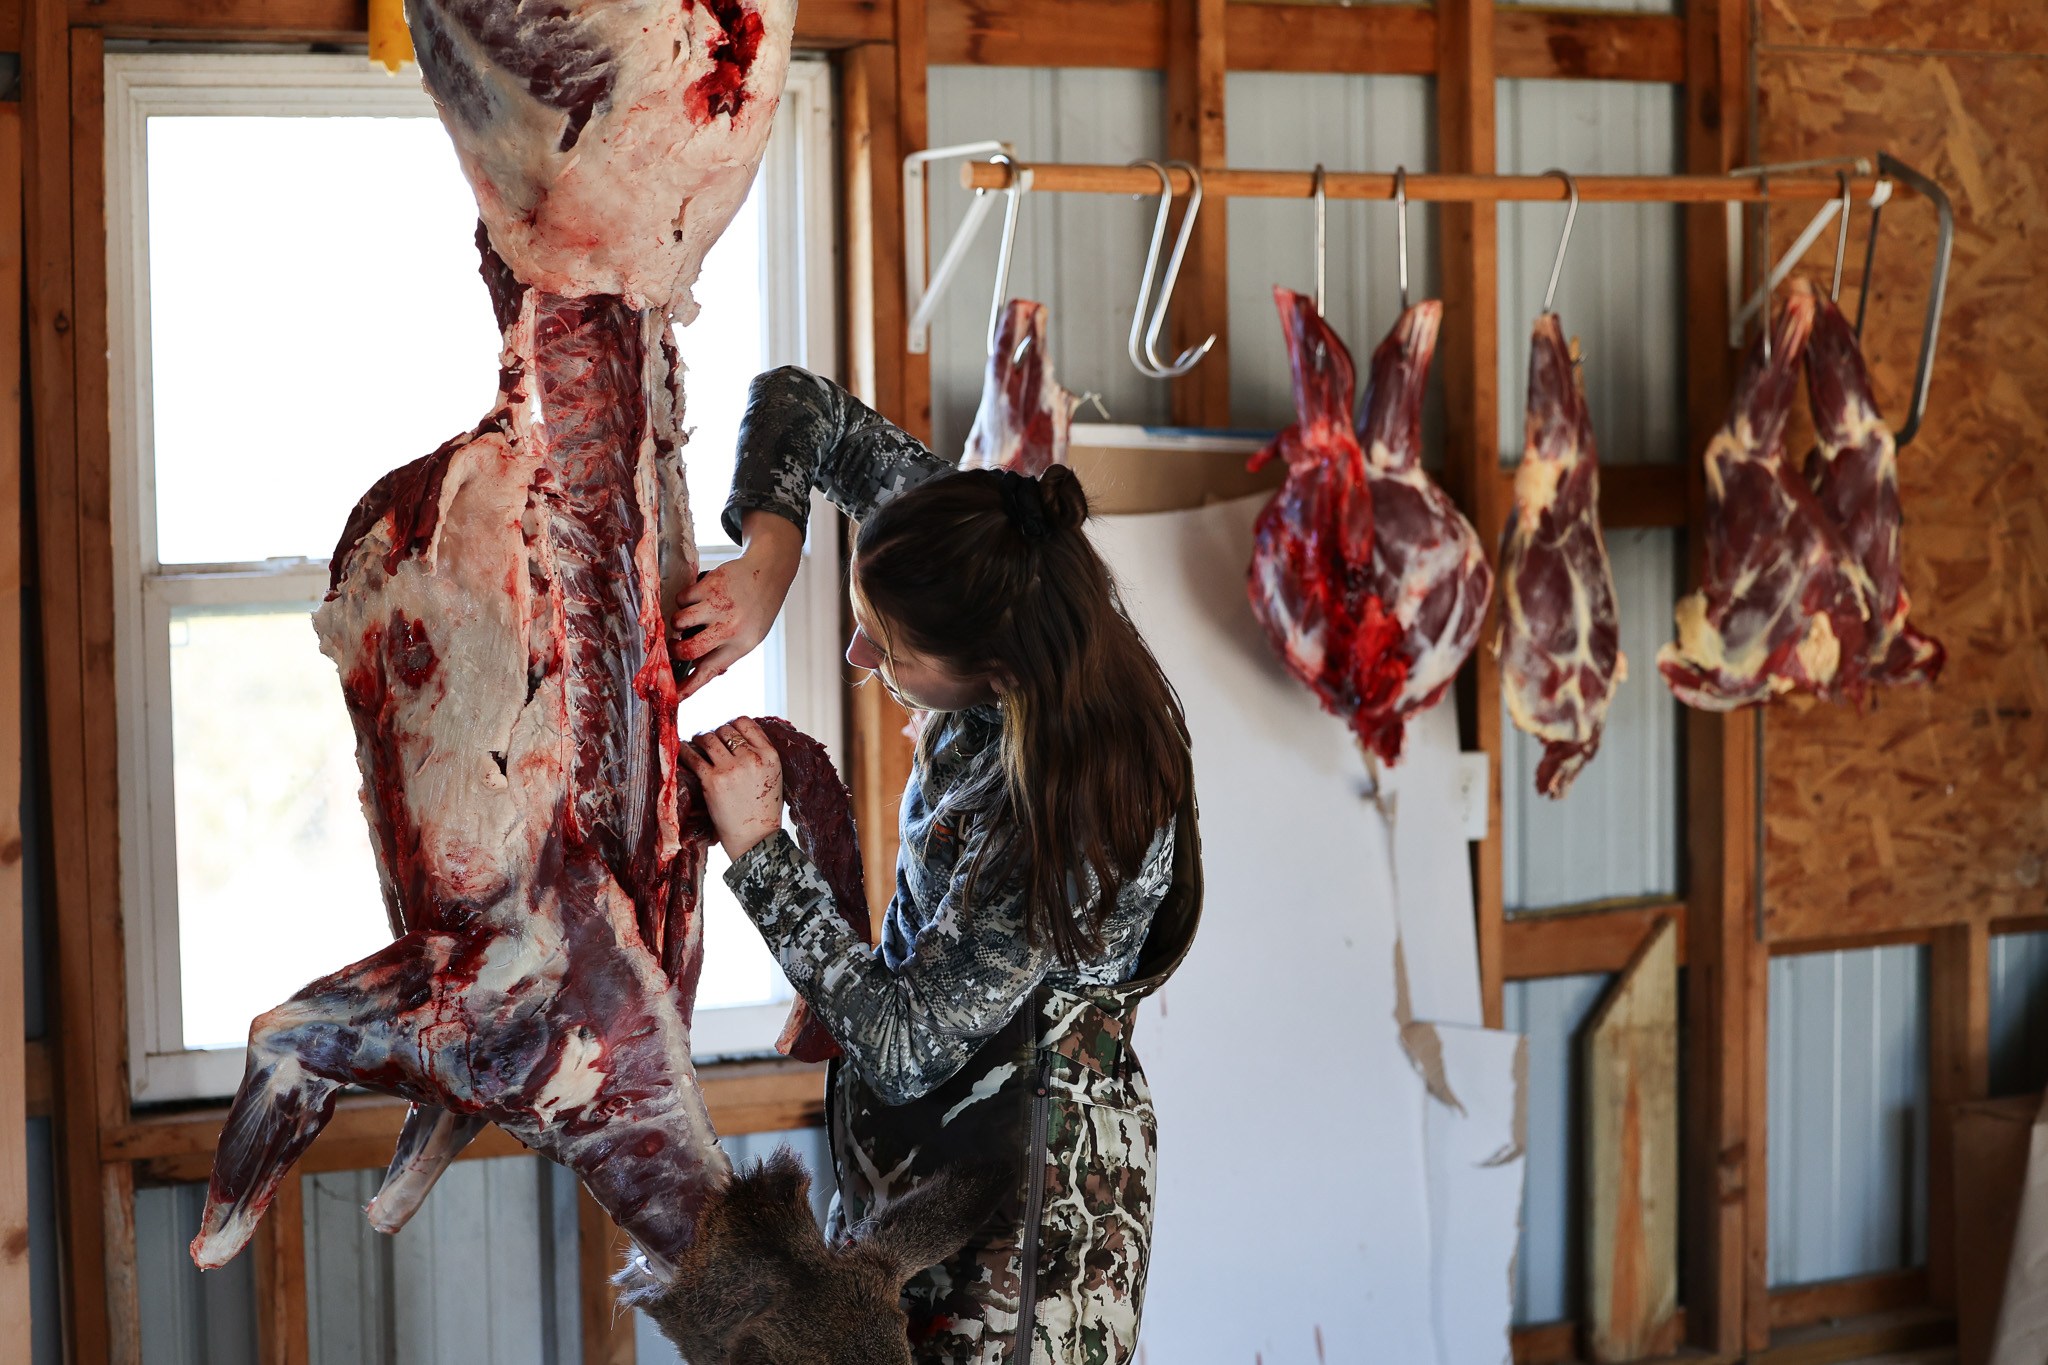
[296, 309]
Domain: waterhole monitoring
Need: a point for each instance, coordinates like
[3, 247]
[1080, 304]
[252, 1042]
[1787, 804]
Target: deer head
[759, 1286]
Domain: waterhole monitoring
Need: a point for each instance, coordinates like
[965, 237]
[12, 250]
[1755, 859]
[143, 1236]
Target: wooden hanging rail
[1444, 189]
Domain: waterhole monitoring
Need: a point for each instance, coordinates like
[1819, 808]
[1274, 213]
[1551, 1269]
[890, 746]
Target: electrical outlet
[1473, 771]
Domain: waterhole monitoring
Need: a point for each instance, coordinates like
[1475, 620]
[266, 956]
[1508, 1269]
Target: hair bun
[1066, 505]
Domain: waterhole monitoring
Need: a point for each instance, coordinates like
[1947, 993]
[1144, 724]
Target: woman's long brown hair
[1093, 759]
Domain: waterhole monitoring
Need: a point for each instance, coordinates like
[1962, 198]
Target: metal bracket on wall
[1888, 168]
[922, 293]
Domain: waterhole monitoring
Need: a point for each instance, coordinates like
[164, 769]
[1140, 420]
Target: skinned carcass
[1311, 576]
[1558, 636]
[1428, 566]
[1025, 415]
[497, 616]
[1854, 472]
[1784, 602]
[609, 142]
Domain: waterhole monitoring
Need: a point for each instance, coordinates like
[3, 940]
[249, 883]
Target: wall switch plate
[1473, 771]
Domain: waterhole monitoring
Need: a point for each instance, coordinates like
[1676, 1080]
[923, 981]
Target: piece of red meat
[1558, 635]
[1784, 601]
[1024, 416]
[1854, 472]
[1310, 580]
[1428, 566]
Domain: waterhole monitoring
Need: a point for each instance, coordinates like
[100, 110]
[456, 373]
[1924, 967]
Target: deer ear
[935, 1220]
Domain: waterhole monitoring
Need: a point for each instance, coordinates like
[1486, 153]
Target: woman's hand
[731, 609]
[742, 778]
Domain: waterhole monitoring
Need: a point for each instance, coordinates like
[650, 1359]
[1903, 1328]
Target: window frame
[799, 267]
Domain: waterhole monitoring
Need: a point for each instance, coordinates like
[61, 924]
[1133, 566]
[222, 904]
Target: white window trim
[799, 266]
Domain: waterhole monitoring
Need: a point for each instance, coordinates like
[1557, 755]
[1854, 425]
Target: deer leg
[432, 1138]
[363, 1024]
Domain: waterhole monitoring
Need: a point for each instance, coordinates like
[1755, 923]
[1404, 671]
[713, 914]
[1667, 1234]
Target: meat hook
[1401, 228]
[1020, 185]
[1763, 254]
[1937, 287]
[1841, 236]
[1571, 213]
[1322, 211]
[1148, 363]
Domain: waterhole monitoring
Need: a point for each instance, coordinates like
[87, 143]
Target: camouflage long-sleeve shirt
[947, 975]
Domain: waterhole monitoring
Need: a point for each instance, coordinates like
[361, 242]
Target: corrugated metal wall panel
[1548, 1273]
[1078, 254]
[1617, 831]
[478, 1275]
[1349, 123]
[2019, 1013]
[1622, 285]
[1848, 1113]
[810, 1145]
[193, 1319]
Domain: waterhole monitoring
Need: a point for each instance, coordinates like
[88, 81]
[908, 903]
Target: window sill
[744, 1097]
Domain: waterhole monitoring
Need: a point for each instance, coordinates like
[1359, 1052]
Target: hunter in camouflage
[964, 1044]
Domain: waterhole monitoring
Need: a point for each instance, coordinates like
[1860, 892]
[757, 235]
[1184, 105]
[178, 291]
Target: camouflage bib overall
[1060, 1090]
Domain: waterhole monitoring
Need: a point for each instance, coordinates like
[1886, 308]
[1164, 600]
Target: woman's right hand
[733, 607]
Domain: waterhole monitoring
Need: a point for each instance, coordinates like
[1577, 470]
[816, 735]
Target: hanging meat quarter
[1369, 582]
[1558, 637]
[1803, 590]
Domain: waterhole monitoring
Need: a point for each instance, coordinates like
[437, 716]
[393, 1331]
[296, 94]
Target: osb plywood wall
[1929, 807]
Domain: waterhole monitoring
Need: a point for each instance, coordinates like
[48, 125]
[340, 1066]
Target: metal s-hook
[1571, 214]
[1020, 184]
[1841, 237]
[1151, 264]
[1149, 363]
[1321, 195]
[1401, 228]
[1763, 254]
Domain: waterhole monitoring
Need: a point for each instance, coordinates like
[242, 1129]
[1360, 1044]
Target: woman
[1048, 874]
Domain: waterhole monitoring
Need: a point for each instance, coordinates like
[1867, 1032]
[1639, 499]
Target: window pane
[316, 319]
[738, 968]
[276, 882]
[722, 352]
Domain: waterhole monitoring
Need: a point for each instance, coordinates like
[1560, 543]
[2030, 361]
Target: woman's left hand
[742, 778]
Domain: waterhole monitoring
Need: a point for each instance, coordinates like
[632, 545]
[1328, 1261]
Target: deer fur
[760, 1286]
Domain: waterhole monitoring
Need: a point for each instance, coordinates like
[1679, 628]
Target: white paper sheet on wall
[1314, 1204]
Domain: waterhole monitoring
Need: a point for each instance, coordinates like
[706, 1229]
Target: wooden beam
[1878, 1335]
[1365, 40]
[14, 1077]
[1959, 1070]
[914, 413]
[85, 1006]
[872, 158]
[1090, 33]
[1384, 40]
[820, 24]
[1724, 1150]
[1850, 1298]
[1196, 56]
[744, 1097]
[282, 1334]
[1634, 495]
[1549, 1343]
[600, 1253]
[1571, 943]
[1467, 355]
[1588, 45]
